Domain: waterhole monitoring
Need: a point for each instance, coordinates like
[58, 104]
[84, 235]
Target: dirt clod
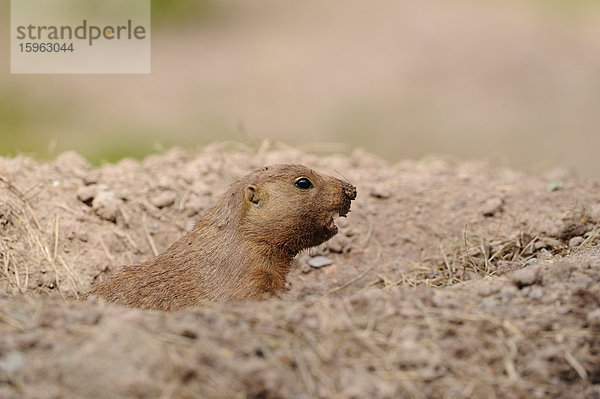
[106, 205]
[492, 206]
[86, 194]
[164, 199]
[381, 190]
[339, 244]
[527, 276]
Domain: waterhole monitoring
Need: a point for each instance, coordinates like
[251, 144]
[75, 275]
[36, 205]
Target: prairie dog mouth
[330, 226]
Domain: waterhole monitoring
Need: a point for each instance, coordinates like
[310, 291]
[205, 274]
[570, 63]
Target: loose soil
[447, 279]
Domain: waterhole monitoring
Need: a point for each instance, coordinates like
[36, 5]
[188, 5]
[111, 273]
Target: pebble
[527, 276]
[318, 250]
[544, 254]
[554, 186]
[86, 194]
[106, 205]
[164, 199]
[319, 261]
[339, 244]
[91, 177]
[546, 242]
[532, 261]
[492, 206]
[381, 191]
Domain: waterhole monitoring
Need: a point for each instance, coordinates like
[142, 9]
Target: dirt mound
[447, 279]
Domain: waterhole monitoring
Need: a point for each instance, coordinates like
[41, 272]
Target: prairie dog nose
[349, 190]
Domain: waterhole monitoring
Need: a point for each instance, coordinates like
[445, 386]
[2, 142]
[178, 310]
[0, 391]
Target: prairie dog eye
[303, 183]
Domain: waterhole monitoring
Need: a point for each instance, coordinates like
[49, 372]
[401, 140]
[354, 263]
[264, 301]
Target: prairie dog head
[293, 207]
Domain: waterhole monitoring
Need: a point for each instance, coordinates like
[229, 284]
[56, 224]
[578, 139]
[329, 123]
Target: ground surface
[449, 279]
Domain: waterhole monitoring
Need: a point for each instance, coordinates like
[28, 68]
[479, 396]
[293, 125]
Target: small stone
[576, 242]
[381, 191]
[505, 266]
[492, 206]
[86, 194]
[319, 261]
[551, 227]
[554, 186]
[164, 199]
[106, 205]
[593, 318]
[91, 177]
[339, 244]
[544, 254]
[532, 261]
[527, 276]
[318, 250]
[346, 228]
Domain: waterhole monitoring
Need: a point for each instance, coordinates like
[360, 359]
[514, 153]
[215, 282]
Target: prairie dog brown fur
[243, 247]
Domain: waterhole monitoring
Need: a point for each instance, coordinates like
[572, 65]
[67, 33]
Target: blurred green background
[515, 82]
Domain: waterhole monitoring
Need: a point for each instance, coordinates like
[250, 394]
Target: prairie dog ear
[252, 195]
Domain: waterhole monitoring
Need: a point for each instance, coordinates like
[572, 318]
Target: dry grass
[475, 255]
[35, 245]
